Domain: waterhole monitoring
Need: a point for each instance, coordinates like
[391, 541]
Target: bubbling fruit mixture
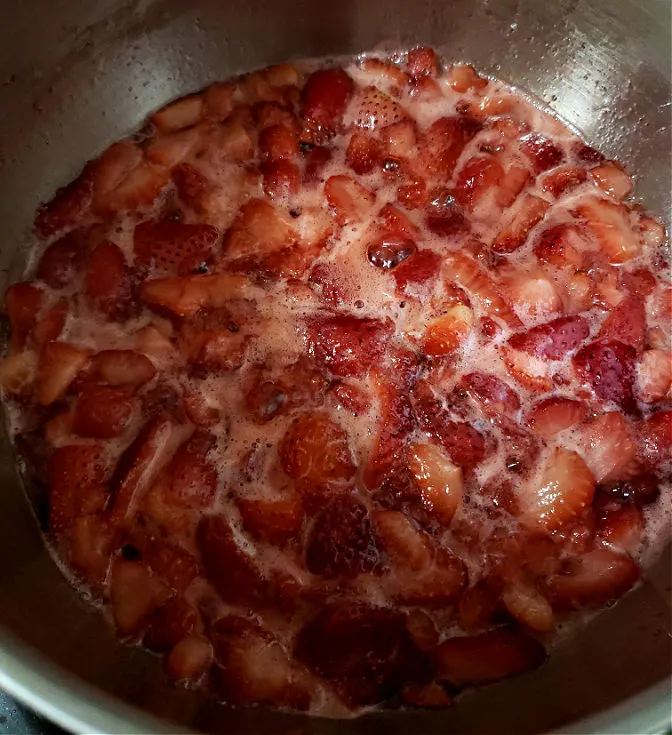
[346, 386]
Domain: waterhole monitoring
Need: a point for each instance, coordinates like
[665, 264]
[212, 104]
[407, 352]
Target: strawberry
[166, 247]
[350, 397]
[173, 564]
[446, 333]
[17, 372]
[407, 547]
[355, 647]
[413, 194]
[350, 201]
[476, 178]
[439, 480]
[559, 245]
[593, 580]
[192, 185]
[281, 179]
[69, 206]
[90, 548]
[189, 659]
[638, 282]
[541, 152]
[609, 447]
[463, 77]
[77, 475]
[493, 395]
[612, 179]
[314, 452]
[278, 142]
[325, 96]
[138, 189]
[316, 160]
[444, 216]
[656, 437]
[522, 446]
[426, 696]
[345, 344]
[276, 521]
[219, 351]
[422, 61]
[399, 138]
[609, 223]
[554, 339]
[23, 302]
[342, 541]
[626, 323]
[528, 606]
[233, 572]
[654, 375]
[169, 624]
[609, 367]
[259, 227]
[562, 488]
[389, 250]
[422, 267]
[170, 149]
[62, 261]
[103, 412]
[533, 294]
[441, 145]
[562, 180]
[59, 365]
[530, 371]
[183, 113]
[135, 593]
[552, 415]
[122, 368]
[489, 657]
[386, 72]
[331, 282]
[586, 153]
[522, 218]
[620, 526]
[438, 585]
[363, 153]
[108, 282]
[477, 607]
[190, 479]
[51, 324]
[372, 109]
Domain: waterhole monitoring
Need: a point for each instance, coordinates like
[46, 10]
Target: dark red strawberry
[342, 541]
[626, 323]
[493, 394]
[554, 339]
[275, 521]
[69, 206]
[103, 412]
[190, 480]
[420, 268]
[331, 284]
[476, 178]
[169, 624]
[350, 397]
[609, 367]
[278, 142]
[521, 446]
[191, 184]
[345, 344]
[542, 153]
[62, 260]
[444, 216]
[587, 154]
[325, 98]
[656, 437]
[363, 153]
[316, 160]
[280, 179]
[443, 142]
[50, 325]
[422, 61]
[122, 367]
[389, 250]
[108, 282]
[166, 247]
[559, 245]
[639, 282]
[23, 302]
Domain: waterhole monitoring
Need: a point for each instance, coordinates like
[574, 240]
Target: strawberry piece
[553, 415]
[407, 546]
[612, 179]
[533, 294]
[62, 261]
[17, 372]
[77, 475]
[189, 659]
[620, 526]
[609, 223]
[559, 245]
[477, 607]
[554, 339]
[563, 180]
[561, 490]
[372, 109]
[190, 480]
[444, 216]
[389, 250]
[476, 178]
[350, 201]
[656, 437]
[363, 153]
[122, 368]
[69, 206]
[439, 480]
[399, 138]
[169, 624]
[638, 282]
[527, 213]
[135, 593]
[609, 448]
[463, 77]
[626, 323]
[23, 302]
[103, 412]
[356, 648]
[171, 563]
[541, 152]
[50, 326]
[281, 179]
[493, 395]
[347, 345]
[316, 160]
[442, 144]
[192, 185]
[438, 585]
[530, 371]
[351, 398]
[528, 606]
[233, 572]
[426, 696]
[275, 521]
[90, 548]
[482, 659]
[342, 541]
[59, 365]
[422, 61]
[593, 580]
[278, 142]
[315, 452]
[253, 668]
[412, 195]
[258, 228]
[654, 375]
[166, 247]
[138, 189]
[108, 282]
[446, 333]
[587, 153]
[420, 268]
[522, 447]
[609, 367]
[398, 222]
[183, 113]
[325, 97]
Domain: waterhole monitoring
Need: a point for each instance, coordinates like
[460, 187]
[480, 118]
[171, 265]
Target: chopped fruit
[190, 658]
[626, 323]
[406, 546]
[426, 696]
[169, 625]
[562, 488]
[135, 593]
[390, 250]
[612, 179]
[122, 368]
[553, 415]
[559, 245]
[363, 153]
[445, 216]
[477, 607]
[530, 371]
[326, 95]
[478, 176]
[656, 436]
[372, 109]
[17, 372]
[621, 526]
[592, 580]
[281, 179]
[654, 375]
[342, 541]
[139, 189]
[444, 334]
[434, 587]
[554, 339]
[259, 226]
[422, 267]
[463, 77]
[493, 395]
[399, 138]
[541, 152]
[524, 216]
[422, 61]
[609, 448]
[275, 521]
[69, 206]
[563, 180]
[350, 201]
[108, 282]
[167, 247]
[528, 606]
[345, 344]
[182, 113]
[62, 261]
[23, 302]
[50, 326]
[609, 367]
[533, 295]
[59, 365]
[168, 150]
[103, 412]
[442, 144]
[482, 659]
[278, 142]
[609, 224]
[90, 548]
[439, 480]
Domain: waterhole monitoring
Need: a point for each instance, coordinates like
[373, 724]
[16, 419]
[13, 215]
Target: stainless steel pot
[76, 74]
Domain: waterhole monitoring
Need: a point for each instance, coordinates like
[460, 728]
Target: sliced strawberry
[523, 217]
[434, 587]
[593, 579]
[395, 220]
[169, 624]
[281, 179]
[407, 546]
[442, 144]
[59, 365]
[135, 593]
[422, 61]
[528, 606]
[656, 437]
[476, 178]
[139, 189]
[62, 261]
[108, 282]
[587, 153]
[561, 490]
[426, 696]
[609, 367]
[165, 246]
[412, 195]
[444, 216]
[421, 268]
[389, 250]
[654, 375]
[477, 607]
[522, 446]
[493, 395]
[552, 415]
[482, 659]
[554, 339]
[609, 448]
[533, 294]
[530, 371]
[620, 526]
[259, 227]
[122, 368]
[612, 179]
[23, 302]
[77, 476]
[103, 412]
[183, 113]
[192, 185]
[316, 160]
[326, 95]
[626, 323]
[439, 480]
[189, 659]
[69, 206]
[275, 521]
[170, 562]
[350, 397]
[51, 324]
[563, 180]
[446, 333]
[363, 153]
[350, 201]
[17, 372]
[610, 225]
[638, 282]
[91, 545]
[345, 344]
[541, 152]
[372, 109]
[399, 138]
[463, 77]
[559, 245]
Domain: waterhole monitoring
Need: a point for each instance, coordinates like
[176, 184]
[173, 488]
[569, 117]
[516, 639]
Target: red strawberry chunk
[493, 394]
[563, 180]
[108, 282]
[275, 521]
[552, 415]
[478, 176]
[554, 339]
[166, 246]
[420, 268]
[444, 216]
[345, 344]
[326, 96]
[542, 153]
[281, 179]
[316, 160]
[656, 437]
[103, 412]
[62, 260]
[609, 367]
[528, 211]
[389, 250]
[559, 245]
[443, 142]
[169, 624]
[69, 206]
[190, 480]
[363, 153]
[122, 367]
[372, 109]
[23, 302]
[626, 323]
[422, 62]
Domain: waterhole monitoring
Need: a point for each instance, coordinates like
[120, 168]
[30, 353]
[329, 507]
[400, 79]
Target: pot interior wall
[75, 75]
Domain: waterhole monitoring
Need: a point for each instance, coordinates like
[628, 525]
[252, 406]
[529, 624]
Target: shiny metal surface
[76, 74]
